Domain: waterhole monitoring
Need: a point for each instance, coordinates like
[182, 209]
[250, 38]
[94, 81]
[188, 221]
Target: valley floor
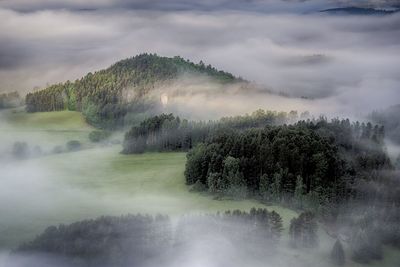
[67, 187]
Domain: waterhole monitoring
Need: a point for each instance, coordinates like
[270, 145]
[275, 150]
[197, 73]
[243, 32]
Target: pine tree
[264, 186]
[236, 185]
[276, 187]
[299, 191]
[337, 254]
[276, 225]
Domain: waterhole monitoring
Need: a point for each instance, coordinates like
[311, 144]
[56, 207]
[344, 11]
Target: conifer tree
[337, 254]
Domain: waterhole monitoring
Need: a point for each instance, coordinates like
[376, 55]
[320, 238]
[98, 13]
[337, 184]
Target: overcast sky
[284, 45]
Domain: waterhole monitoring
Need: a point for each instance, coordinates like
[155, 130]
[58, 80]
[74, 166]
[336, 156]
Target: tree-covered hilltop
[106, 96]
[137, 240]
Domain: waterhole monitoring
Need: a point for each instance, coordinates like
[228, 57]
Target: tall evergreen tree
[299, 191]
[337, 254]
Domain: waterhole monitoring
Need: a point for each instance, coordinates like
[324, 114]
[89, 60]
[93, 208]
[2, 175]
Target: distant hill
[107, 96]
[358, 11]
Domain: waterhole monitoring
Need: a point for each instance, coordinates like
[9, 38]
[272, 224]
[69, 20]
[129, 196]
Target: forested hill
[359, 11]
[107, 96]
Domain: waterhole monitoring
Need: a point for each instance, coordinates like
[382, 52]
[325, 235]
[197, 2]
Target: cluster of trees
[303, 231]
[23, 150]
[107, 241]
[10, 100]
[308, 164]
[360, 144]
[137, 239]
[73, 145]
[50, 99]
[98, 136]
[166, 132]
[107, 96]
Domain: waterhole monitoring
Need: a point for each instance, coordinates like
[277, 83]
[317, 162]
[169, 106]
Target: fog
[200, 241]
[345, 63]
[294, 57]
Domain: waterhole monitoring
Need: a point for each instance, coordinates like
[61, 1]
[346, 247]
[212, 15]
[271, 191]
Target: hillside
[107, 96]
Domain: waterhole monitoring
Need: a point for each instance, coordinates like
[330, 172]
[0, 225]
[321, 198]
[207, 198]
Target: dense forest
[310, 163]
[10, 100]
[107, 96]
[134, 240]
[166, 132]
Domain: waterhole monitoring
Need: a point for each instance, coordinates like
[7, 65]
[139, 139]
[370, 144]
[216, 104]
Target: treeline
[107, 241]
[22, 150]
[169, 133]
[107, 96]
[10, 100]
[311, 164]
[136, 240]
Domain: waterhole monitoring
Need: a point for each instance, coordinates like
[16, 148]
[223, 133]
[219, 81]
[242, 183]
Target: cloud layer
[348, 62]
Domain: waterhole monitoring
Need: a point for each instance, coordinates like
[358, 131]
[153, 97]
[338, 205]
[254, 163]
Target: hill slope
[106, 96]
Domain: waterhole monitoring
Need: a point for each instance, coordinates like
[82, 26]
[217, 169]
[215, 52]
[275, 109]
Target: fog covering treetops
[166, 132]
[106, 96]
[310, 163]
[136, 240]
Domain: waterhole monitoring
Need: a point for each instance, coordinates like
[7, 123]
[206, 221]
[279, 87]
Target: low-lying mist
[197, 240]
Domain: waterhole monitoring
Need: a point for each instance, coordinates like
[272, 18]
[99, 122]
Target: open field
[86, 184]
[44, 129]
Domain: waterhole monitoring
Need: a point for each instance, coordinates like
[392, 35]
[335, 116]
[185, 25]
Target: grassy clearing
[74, 186]
[46, 129]
[51, 121]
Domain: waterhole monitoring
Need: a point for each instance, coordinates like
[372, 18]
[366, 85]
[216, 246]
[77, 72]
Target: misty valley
[112, 182]
[217, 133]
